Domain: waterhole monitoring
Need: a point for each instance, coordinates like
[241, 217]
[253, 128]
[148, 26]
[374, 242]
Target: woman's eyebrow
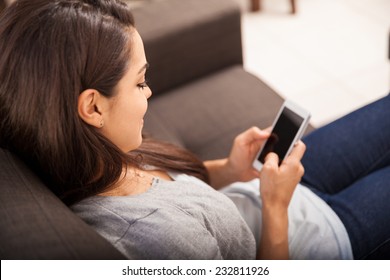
[146, 66]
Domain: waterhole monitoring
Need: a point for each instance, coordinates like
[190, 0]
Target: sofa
[203, 98]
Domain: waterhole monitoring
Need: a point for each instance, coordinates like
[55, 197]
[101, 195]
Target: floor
[331, 57]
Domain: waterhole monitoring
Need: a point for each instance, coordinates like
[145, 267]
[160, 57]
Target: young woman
[72, 100]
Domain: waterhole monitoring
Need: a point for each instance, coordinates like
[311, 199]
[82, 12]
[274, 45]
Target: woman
[72, 100]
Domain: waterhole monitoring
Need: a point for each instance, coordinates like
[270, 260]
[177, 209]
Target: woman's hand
[277, 185]
[238, 166]
[245, 148]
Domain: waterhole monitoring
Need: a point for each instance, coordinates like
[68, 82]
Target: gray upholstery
[202, 98]
[185, 40]
[37, 225]
[205, 115]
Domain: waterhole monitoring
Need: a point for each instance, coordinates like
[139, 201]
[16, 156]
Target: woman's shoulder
[148, 232]
[109, 216]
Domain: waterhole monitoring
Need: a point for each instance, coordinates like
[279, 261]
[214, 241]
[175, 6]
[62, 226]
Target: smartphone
[287, 129]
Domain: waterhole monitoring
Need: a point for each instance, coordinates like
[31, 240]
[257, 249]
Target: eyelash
[143, 85]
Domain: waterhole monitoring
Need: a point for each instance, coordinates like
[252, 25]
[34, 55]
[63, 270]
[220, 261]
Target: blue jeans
[347, 163]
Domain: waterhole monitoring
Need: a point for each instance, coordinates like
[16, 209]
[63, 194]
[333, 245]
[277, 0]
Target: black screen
[282, 135]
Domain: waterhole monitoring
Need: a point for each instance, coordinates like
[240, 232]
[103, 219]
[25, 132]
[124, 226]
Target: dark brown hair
[52, 50]
[2, 5]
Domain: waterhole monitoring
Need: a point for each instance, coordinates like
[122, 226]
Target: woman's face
[123, 120]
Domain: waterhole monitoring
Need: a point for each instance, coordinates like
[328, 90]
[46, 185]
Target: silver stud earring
[101, 123]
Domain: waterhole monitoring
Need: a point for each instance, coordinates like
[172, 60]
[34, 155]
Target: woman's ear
[89, 107]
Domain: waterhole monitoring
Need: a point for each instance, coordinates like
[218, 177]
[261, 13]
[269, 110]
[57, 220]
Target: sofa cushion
[35, 224]
[205, 116]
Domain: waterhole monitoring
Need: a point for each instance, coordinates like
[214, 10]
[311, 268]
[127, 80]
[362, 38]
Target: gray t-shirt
[172, 220]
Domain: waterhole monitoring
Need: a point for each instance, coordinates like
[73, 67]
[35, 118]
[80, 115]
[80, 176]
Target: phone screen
[282, 135]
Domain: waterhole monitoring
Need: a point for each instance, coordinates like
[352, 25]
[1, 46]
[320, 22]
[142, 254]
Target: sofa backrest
[187, 40]
[35, 224]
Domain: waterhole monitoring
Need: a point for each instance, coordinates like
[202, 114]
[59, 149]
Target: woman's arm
[274, 235]
[218, 172]
[238, 166]
[277, 185]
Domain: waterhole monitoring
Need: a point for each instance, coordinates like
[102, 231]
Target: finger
[252, 134]
[268, 129]
[271, 161]
[255, 133]
[298, 151]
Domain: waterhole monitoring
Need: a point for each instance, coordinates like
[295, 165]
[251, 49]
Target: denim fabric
[347, 163]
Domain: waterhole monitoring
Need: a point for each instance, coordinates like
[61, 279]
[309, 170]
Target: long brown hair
[50, 51]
